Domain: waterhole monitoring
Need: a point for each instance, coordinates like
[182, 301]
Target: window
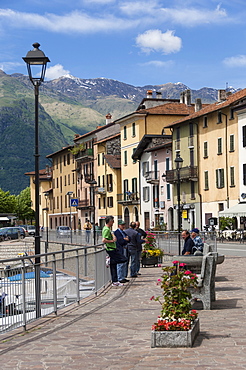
[244, 174]
[145, 168]
[104, 202]
[103, 181]
[103, 159]
[134, 160]
[68, 179]
[99, 203]
[110, 182]
[244, 136]
[219, 146]
[220, 178]
[65, 160]
[191, 157]
[205, 121]
[178, 133]
[98, 159]
[57, 202]
[168, 192]
[191, 129]
[221, 207]
[232, 147]
[125, 189]
[73, 178]
[206, 186]
[125, 158]
[146, 193]
[124, 133]
[232, 176]
[155, 169]
[167, 164]
[98, 181]
[68, 159]
[133, 129]
[156, 196]
[134, 185]
[110, 202]
[162, 190]
[192, 190]
[57, 182]
[219, 117]
[205, 149]
[65, 180]
[60, 184]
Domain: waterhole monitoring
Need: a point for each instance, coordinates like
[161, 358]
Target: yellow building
[64, 188]
[133, 127]
[208, 142]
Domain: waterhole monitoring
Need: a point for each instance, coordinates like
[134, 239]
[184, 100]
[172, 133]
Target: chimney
[187, 97]
[198, 104]
[158, 95]
[221, 95]
[108, 118]
[181, 100]
[149, 94]
[76, 136]
[47, 168]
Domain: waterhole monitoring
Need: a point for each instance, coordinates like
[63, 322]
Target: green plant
[77, 148]
[226, 223]
[176, 313]
[149, 249]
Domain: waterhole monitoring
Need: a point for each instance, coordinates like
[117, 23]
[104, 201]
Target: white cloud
[9, 66]
[56, 72]
[237, 61]
[75, 21]
[99, 1]
[158, 63]
[155, 40]
[139, 7]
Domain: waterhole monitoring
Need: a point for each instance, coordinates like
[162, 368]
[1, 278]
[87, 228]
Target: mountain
[68, 106]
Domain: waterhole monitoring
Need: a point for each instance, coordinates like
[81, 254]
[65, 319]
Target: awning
[4, 219]
[239, 210]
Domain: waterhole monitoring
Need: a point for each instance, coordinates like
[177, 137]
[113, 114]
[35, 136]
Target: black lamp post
[178, 161]
[93, 184]
[47, 194]
[70, 193]
[36, 58]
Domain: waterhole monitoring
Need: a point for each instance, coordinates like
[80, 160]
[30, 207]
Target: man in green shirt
[109, 239]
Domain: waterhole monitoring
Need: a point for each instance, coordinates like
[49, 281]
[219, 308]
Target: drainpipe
[198, 182]
[226, 169]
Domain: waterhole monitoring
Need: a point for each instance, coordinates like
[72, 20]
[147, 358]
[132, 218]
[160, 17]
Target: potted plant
[151, 255]
[177, 326]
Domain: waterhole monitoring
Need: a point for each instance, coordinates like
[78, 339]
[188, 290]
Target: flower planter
[148, 261]
[175, 338]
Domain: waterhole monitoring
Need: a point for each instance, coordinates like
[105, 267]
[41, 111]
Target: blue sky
[200, 43]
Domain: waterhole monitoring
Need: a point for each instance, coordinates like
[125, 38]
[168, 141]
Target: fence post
[54, 283]
[85, 261]
[23, 294]
[77, 276]
[63, 264]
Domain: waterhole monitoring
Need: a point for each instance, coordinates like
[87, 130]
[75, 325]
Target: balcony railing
[85, 155]
[83, 203]
[152, 177]
[128, 198]
[186, 174]
[88, 177]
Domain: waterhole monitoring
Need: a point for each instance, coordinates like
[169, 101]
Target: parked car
[63, 231]
[30, 229]
[9, 233]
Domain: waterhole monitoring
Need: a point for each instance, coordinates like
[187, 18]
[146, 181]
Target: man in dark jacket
[121, 245]
[132, 246]
[143, 235]
[188, 243]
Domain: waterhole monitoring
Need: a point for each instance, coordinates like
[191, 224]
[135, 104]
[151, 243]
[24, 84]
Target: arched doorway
[126, 217]
[135, 212]
[170, 225]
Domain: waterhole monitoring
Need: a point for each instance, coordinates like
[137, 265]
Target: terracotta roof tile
[170, 108]
[114, 161]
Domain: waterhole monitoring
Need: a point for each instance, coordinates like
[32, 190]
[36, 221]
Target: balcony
[189, 173]
[101, 191]
[84, 204]
[128, 198]
[88, 177]
[86, 155]
[152, 177]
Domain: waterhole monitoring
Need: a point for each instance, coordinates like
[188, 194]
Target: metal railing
[68, 274]
[168, 240]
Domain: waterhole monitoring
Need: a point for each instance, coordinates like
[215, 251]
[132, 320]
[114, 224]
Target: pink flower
[182, 264]
[175, 261]
[188, 272]
[152, 298]
[159, 265]
[158, 279]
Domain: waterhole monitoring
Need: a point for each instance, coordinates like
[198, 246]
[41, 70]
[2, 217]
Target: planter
[148, 261]
[175, 338]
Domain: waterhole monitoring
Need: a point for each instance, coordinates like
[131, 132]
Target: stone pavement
[113, 330]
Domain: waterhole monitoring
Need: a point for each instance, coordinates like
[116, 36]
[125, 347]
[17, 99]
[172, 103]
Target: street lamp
[36, 58]
[47, 194]
[93, 184]
[70, 193]
[178, 161]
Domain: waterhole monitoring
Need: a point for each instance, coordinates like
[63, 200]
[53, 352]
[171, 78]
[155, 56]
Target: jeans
[138, 260]
[87, 236]
[115, 256]
[134, 261]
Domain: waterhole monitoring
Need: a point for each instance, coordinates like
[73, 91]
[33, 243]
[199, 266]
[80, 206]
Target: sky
[196, 42]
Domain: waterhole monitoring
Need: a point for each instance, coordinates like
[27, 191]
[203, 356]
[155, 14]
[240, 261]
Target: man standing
[143, 235]
[121, 245]
[132, 246]
[109, 239]
[87, 228]
[188, 243]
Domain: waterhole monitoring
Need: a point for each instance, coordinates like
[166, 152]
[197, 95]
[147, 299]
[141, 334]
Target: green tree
[23, 206]
[7, 202]
[227, 223]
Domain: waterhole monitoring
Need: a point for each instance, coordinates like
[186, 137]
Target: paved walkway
[113, 331]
